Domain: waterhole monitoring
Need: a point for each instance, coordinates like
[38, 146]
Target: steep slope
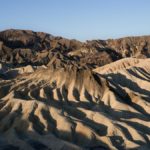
[75, 108]
[23, 47]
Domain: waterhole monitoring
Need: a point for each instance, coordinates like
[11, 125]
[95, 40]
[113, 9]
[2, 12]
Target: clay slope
[66, 106]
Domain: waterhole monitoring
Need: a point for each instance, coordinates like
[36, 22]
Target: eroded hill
[24, 47]
[81, 96]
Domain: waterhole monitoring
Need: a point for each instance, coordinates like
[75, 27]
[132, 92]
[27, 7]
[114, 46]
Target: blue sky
[79, 19]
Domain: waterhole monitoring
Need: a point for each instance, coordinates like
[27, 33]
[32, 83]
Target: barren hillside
[60, 94]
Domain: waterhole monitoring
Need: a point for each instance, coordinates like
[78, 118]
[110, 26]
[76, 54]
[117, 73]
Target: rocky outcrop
[23, 47]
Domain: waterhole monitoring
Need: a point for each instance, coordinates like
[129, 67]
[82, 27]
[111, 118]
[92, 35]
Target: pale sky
[78, 19]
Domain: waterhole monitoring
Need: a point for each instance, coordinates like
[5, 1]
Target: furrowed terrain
[60, 94]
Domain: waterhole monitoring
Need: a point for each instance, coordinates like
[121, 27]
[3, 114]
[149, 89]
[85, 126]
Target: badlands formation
[60, 94]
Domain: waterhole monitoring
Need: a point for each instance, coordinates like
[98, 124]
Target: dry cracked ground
[60, 94]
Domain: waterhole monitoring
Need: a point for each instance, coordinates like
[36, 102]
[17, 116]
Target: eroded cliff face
[22, 46]
[72, 95]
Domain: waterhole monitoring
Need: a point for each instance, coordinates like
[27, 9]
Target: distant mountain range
[25, 46]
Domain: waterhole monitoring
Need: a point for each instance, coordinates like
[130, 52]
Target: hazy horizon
[81, 20]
